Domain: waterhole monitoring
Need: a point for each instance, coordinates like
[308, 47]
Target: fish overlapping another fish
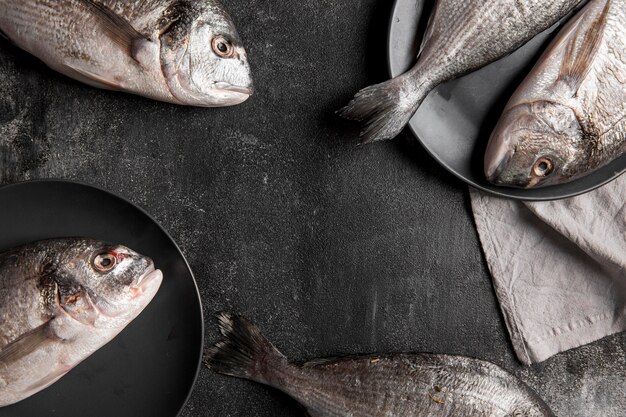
[462, 36]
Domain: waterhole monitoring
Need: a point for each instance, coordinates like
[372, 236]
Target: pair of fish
[565, 121]
[60, 301]
[178, 51]
[420, 385]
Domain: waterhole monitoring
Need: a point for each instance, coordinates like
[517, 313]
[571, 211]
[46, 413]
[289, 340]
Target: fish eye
[543, 167]
[105, 262]
[222, 47]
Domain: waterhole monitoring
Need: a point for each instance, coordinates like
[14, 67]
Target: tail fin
[385, 108]
[245, 353]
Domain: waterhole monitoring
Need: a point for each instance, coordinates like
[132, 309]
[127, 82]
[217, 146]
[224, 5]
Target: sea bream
[60, 301]
[419, 385]
[568, 118]
[462, 36]
[178, 51]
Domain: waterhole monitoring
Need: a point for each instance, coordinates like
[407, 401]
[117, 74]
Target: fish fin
[338, 359]
[319, 362]
[49, 379]
[118, 29]
[27, 343]
[90, 78]
[79, 307]
[245, 353]
[5, 36]
[577, 63]
[430, 28]
[385, 108]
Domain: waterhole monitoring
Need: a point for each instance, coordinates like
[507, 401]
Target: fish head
[534, 145]
[203, 58]
[102, 285]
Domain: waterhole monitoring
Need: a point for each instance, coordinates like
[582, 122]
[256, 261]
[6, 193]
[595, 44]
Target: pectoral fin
[79, 307]
[27, 343]
[115, 27]
[582, 49]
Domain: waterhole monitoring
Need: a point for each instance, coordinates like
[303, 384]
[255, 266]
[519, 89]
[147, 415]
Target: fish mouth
[495, 163]
[147, 283]
[248, 91]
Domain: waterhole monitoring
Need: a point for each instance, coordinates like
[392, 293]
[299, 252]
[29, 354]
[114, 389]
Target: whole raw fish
[419, 385]
[568, 118]
[60, 301]
[178, 51]
[462, 36]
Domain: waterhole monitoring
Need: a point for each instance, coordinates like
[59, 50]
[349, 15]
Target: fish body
[462, 36]
[568, 118]
[177, 51]
[60, 301]
[420, 385]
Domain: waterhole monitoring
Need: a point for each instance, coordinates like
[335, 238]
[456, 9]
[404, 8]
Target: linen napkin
[558, 268]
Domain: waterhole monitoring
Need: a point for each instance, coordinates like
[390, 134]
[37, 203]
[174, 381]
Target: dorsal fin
[578, 61]
[318, 362]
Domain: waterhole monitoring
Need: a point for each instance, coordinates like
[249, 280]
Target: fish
[407, 385]
[177, 51]
[60, 301]
[462, 36]
[568, 117]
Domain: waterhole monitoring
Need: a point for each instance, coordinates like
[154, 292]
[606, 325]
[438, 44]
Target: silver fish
[568, 118]
[60, 301]
[177, 51]
[462, 36]
[421, 385]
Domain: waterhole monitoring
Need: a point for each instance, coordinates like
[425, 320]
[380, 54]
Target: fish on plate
[378, 385]
[177, 51]
[462, 36]
[60, 301]
[568, 118]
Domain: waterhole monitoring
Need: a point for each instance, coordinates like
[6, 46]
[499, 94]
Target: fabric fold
[558, 268]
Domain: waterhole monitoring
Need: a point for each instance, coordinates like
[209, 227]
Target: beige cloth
[559, 268]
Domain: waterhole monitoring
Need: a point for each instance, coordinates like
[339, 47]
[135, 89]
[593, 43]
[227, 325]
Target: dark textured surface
[331, 248]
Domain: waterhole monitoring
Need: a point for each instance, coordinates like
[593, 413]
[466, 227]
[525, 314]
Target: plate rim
[471, 183]
[145, 213]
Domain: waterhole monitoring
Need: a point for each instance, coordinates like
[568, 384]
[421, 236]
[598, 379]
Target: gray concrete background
[331, 248]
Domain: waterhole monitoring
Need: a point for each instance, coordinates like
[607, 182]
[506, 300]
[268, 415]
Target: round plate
[148, 369]
[455, 121]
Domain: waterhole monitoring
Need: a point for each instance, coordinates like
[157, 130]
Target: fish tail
[386, 108]
[245, 353]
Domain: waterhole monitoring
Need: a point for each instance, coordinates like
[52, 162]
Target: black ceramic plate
[150, 368]
[456, 119]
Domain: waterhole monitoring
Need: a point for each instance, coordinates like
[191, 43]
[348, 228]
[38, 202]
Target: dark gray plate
[455, 121]
[150, 368]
